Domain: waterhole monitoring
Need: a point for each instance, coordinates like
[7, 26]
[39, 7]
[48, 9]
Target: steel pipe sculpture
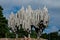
[36, 18]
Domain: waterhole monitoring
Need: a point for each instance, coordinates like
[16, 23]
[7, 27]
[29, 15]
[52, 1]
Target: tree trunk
[28, 35]
[16, 35]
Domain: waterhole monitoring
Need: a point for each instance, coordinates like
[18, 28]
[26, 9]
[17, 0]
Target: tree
[33, 34]
[52, 36]
[3, 24]
[45, 36]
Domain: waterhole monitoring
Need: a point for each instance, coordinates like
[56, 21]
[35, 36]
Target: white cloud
[51, 3]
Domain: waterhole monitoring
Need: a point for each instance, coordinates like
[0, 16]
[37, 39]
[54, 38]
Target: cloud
[9, 3]
[51, 3]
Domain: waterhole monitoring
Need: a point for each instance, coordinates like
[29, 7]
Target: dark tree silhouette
[3, 24]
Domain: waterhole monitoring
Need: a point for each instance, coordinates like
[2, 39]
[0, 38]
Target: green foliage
[51, 36]
[33, 34]
[3, 24]
[11, 35]
[45, 36]
[22, 33]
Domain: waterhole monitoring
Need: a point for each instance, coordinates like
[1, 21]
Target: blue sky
[52, 5]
